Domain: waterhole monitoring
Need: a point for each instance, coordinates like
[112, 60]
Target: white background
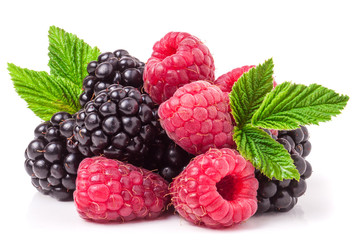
[310, 42]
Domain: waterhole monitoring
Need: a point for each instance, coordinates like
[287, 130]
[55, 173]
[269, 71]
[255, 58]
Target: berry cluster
[152, 134]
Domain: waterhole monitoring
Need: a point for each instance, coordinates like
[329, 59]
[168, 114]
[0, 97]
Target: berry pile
[50, 163]
[152, 135]
[281, 196]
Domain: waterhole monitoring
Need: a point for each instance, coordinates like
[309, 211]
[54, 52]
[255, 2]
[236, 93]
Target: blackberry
[119, 123]
[51, 159]
[167, 158]
[282, 196]
[111, 67]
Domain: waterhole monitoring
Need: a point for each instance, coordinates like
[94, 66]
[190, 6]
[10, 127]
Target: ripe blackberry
[282, 196]
[167, 158]
[112, 67]
[51, 159]
[119, 123]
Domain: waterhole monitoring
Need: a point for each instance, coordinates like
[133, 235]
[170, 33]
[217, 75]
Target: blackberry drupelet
[51, 164]
[282, 196]
[111, 67]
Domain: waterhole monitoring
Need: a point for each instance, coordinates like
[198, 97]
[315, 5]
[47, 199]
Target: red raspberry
[217, 189]
[178, 58]
[227, 80]
[197, 118]
[109, 190]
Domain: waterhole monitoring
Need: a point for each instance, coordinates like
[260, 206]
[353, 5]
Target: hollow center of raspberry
[228, 187]
[169, 51]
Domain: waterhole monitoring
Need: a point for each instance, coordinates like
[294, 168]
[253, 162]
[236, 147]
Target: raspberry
[197, 118]
[217, 189]
[178, 58]
[117, 67]
[227, 80]
[110, 190]
[51, 164]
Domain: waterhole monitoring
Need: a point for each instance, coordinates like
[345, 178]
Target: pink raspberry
[110, 190]
[197, 118]
[217, 189]
[227, 80]
[178, 58]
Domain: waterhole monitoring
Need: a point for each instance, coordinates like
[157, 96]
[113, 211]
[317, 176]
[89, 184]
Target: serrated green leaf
[266, 154]
[45, 94]
[290, 105]
[69, 55]
[249, 91]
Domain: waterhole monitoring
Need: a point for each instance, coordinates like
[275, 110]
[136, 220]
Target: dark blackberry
[282, 196]
[50, 162]
[117, 67]
[168, 159]
[119, 123]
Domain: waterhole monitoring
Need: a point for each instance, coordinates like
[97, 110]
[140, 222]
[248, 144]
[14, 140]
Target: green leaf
[249, 91]
[266, 154]
[69, 55]
[45, 94]
[290, 105]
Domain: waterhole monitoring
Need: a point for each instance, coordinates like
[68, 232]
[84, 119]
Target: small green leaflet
[290, 105]
[266, 154]
[69, 55]
[249, 91]
[44, 93]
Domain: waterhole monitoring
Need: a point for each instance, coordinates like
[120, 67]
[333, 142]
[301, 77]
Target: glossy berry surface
[177, 59]
[167, 158]
[117, 67]
[50, 163]
[217, 189]
[110, 190]
[119, 123]
[282, 196]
